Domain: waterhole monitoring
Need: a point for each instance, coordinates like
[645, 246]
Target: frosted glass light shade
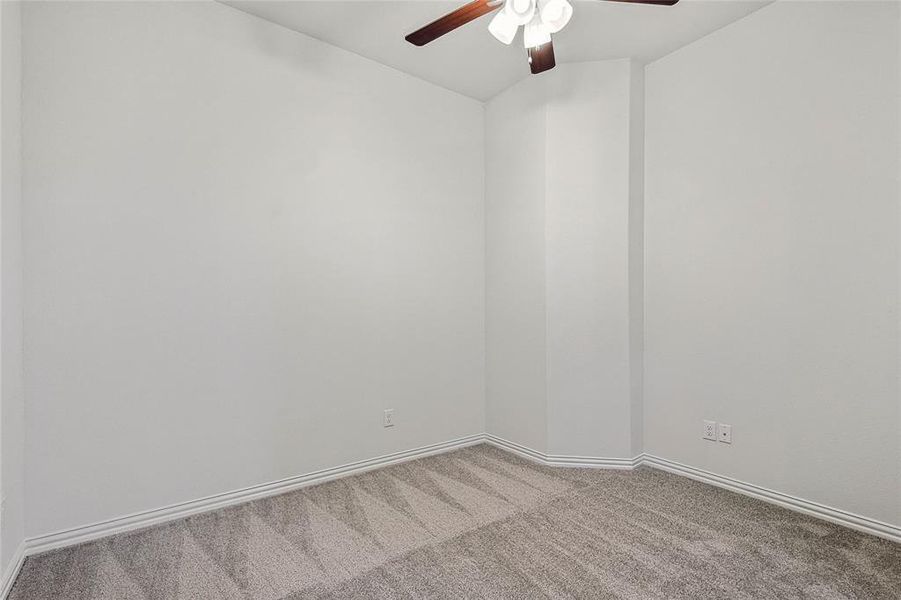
[520, 11]
[535, 33]
[555, 14]
[503, 27]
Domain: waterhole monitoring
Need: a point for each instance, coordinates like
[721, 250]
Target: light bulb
[535, 33]
[555, 14]
[503, 27]
[520, 11]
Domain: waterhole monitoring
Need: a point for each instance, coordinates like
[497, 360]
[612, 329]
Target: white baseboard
[12, 571]
[86, 533]
[558, 460]
[814, 509]
[78, 535]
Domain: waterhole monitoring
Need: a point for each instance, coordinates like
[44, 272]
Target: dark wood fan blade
[660, 2]
[449, 22]
[541, 59]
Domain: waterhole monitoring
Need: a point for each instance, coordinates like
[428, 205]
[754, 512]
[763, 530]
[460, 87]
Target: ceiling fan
[539, 18]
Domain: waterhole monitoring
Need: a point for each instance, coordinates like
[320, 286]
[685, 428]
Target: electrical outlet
[724, 433]
[389, 418]
[709, 430]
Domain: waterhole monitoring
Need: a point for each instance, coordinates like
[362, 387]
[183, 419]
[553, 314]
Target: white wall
[242, 245]
[587, 254]
[772, 253]
[558, 261]
[636, 253]
[12, 407]
[515, 264]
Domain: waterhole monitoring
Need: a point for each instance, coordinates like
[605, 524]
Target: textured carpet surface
[480, 523]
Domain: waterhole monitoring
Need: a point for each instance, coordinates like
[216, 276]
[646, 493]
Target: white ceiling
[469, 60]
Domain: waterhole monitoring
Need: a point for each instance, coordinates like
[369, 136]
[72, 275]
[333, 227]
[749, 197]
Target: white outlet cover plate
[724, 433]
[389, 417]
[709, 432]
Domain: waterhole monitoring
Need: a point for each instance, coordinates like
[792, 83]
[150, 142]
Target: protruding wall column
[563, 206]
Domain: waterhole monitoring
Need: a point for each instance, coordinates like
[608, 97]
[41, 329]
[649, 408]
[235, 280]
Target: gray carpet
[479, 523]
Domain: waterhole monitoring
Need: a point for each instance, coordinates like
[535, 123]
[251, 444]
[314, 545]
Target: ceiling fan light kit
[555, 14]
[503, 27]
[520, 10]
[535, 33]
[539, 19]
